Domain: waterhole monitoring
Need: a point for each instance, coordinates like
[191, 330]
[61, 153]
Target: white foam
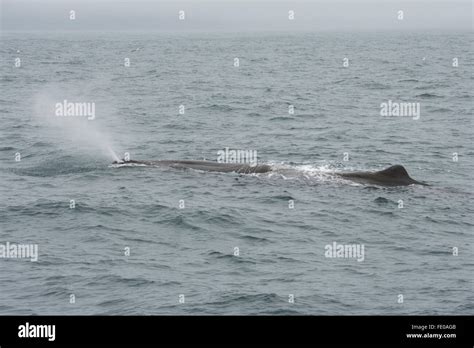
[120, 165]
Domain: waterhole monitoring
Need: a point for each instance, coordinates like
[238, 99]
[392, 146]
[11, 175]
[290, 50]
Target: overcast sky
[235, 16]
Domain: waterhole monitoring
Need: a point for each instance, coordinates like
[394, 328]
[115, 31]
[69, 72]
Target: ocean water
[191, 250]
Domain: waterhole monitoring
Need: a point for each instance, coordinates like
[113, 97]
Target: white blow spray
[70, 123]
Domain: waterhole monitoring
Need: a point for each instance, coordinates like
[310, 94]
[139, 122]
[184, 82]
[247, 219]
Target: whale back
[392, 176]
[207, 166]
[396, 171]
[398, 175]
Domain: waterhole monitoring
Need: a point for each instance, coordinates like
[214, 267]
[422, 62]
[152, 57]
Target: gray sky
[235, 16]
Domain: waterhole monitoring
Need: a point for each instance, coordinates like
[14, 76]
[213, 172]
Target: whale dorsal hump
[397, 171]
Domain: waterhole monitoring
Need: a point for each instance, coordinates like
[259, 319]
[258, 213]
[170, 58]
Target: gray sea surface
[281, 250]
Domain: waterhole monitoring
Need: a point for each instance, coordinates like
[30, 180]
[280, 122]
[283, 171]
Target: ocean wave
[230, 257]
[282, 118]
[255, 239]
[428, 96]
[382, 200]
[408, 80]
[179, 221]
[7, 148]
[53, 169]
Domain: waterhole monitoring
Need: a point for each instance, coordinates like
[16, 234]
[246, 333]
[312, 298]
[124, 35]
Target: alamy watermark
[337, 250]
[66, 108]
[402, 109]
[237, 156]
[37, 331]
[19, 251]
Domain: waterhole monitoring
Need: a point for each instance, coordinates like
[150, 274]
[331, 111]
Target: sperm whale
[392, 176]
[207, 166]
